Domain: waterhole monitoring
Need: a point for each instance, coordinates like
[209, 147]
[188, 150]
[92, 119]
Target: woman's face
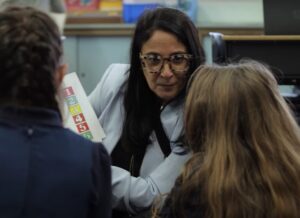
[163, 81]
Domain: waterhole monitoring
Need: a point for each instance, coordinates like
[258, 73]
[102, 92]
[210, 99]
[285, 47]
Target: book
[79, 114]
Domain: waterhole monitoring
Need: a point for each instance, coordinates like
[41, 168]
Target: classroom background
[98, 34]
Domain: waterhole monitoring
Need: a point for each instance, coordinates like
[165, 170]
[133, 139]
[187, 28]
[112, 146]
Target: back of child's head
[30, 54]
[245, 143]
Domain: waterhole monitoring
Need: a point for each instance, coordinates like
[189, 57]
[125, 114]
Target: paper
[80, 116]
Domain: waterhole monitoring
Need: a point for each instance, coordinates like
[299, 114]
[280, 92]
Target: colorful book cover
[79, 114]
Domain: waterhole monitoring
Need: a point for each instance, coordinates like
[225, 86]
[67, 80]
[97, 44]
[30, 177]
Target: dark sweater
[48, 171]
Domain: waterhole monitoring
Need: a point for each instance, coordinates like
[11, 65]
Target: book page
[79, 114]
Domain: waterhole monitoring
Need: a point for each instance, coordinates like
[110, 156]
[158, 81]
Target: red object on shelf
[82, 5]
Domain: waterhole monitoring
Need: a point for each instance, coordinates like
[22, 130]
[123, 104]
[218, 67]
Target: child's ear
[60, 73]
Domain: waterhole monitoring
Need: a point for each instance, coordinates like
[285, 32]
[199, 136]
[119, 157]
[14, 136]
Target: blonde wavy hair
[245, 143]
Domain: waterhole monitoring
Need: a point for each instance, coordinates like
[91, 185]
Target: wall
[89, 56]
[230, 13]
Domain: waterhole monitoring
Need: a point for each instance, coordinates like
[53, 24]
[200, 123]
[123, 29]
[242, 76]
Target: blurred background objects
[55, 8]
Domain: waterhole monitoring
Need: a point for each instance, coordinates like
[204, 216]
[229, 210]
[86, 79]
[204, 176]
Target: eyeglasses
[179, 63]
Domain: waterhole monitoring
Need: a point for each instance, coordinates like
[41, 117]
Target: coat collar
[26, 115]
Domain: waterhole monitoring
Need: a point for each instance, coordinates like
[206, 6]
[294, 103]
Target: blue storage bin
[131, 12]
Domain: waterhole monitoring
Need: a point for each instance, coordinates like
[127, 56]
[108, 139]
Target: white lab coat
[157, 174]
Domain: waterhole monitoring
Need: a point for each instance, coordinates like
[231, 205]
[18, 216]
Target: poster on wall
[79, 114]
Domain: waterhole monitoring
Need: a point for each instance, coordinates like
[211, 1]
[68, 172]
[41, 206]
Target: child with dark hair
[46, 170]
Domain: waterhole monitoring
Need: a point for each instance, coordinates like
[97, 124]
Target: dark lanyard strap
[164, 143]
[133, 162]
[162, 138]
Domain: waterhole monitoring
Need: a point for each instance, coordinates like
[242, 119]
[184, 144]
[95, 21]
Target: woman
[246, 147]
[140, 107]
[46, 170]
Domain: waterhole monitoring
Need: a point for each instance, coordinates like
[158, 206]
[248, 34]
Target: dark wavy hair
[141, 104]
[30, 52]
